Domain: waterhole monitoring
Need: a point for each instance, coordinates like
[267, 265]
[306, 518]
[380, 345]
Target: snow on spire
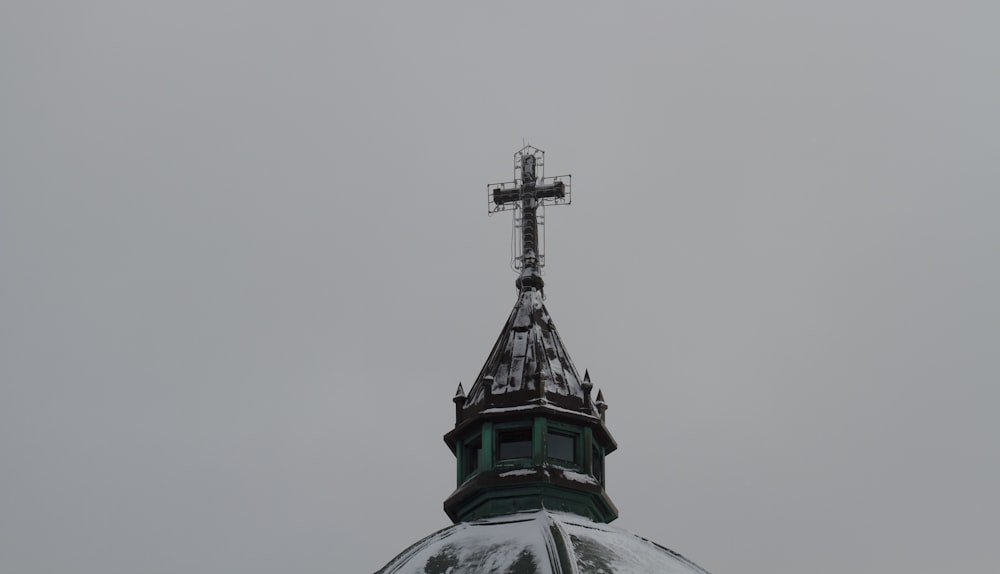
[587, 386]
[602, 406]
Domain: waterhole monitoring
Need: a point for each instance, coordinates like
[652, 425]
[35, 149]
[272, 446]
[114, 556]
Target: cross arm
[555, 189]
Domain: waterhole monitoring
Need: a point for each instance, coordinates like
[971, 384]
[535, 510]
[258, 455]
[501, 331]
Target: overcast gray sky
[245, 260]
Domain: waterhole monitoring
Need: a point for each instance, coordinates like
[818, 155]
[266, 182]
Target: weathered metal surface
[540, 542]
[528, 352]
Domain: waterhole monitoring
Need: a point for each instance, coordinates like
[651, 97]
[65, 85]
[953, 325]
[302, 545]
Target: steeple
[530, 441]
[528, 435]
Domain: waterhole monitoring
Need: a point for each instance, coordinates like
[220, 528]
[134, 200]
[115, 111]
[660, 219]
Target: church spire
[528, 435]
[530, 439]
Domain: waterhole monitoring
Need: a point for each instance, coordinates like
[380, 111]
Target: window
[514, 443]
[598, 464]
[470, 455]
[561, 446]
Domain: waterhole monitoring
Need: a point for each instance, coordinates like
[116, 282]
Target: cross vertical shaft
[527, 193]
[530, 270]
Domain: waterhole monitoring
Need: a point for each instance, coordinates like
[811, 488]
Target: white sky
[245, 261]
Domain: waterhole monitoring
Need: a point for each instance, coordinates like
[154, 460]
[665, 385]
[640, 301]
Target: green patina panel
[538, 445]
[486, 455]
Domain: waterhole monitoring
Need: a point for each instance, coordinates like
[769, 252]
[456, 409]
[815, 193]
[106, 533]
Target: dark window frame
[566, 430]
[471, 449]
[597, 463]
[553, 449]
[524, 439]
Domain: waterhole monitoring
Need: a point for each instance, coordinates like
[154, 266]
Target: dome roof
[541, 542]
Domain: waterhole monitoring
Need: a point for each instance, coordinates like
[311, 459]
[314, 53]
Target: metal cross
[529, 190]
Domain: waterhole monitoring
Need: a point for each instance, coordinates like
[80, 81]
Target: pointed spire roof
[529, 363]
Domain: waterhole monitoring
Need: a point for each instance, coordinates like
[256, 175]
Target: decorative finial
[459, 400]
[602, 406]
[529, 190]
[587, 388]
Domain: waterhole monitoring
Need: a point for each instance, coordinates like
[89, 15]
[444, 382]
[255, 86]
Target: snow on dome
[540, 542]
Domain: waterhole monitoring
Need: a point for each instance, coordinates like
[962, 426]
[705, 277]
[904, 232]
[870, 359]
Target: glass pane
[562, 447]
[514, 444]
[470, 456]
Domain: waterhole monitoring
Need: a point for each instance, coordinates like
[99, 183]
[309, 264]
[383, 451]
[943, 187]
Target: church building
[530, 440]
